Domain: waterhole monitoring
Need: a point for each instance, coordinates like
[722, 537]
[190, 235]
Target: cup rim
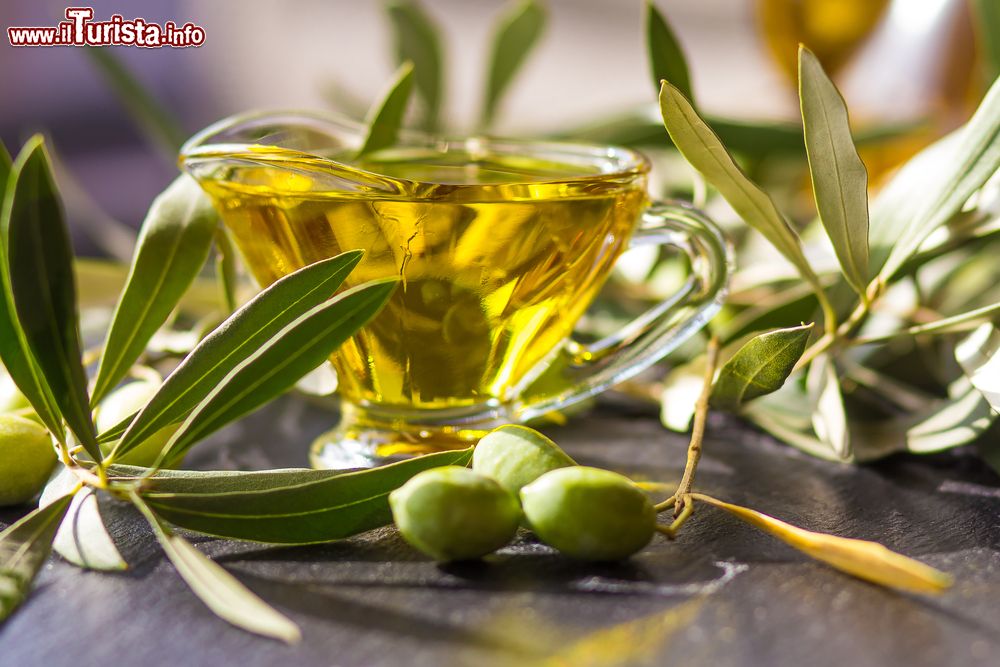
[615, 162]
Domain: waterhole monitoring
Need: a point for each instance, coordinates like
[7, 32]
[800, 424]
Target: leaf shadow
[319, 602]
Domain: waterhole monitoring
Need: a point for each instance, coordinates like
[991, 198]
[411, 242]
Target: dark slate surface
[722, 594]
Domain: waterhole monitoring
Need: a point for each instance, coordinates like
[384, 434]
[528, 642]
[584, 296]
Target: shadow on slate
[721, 594]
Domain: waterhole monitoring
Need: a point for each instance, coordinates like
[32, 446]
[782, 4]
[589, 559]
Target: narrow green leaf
[14, 352]
[220, 591]
[756, 140]
[839, 177]
[151, 115]
[966, 160]
[24, 547]
[987, 21]
[173, 246]
[516, 35]
[786, 414]
[284, 506]
[702, 148]
[760, 367]
[43, 286]
[234, 341]
[417, 40]
[225, 270]
[117, 431]
[828, 415]
[5, 166]
[957, 420]
[946, 325]
[279, 363]
[82, 538]
[666, 59]
[386, 117]
[977, 355]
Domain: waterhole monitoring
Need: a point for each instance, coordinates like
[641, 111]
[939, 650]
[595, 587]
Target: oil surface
[497, 258]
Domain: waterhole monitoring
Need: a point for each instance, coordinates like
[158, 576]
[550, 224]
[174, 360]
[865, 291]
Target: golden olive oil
[497, 256]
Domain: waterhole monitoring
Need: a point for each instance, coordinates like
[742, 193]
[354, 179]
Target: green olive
[517, 455]
[11, 398]
[123, 403]
[589, 513]
[26, 459]
[453, 513]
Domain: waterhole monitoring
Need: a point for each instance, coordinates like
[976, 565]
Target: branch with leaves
[847, 398]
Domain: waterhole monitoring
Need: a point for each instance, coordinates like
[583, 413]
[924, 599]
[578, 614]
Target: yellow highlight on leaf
[863, 559]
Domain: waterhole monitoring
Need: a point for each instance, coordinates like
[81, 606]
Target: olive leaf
[82, 538]
[225, 270]
[282, 506]
[977, 355]
[516, 35]
[787, 415]
[150, 114]
[643, 126]
[232, 343]
[928, 427]
[946, 325]
[24, 546]
[220, 591]
[863, 559]
[279, 363]
[957, 420]
[417, 40]
[173, 245]
[702, 148]
[828, 415]
[839, 177]
[14, 353]
[754, 140]
[43, 288]
[899, 202]
[5, 167]
[386, 117]
[966, 160]
[760, 367]
[987, 22]
[666, 59]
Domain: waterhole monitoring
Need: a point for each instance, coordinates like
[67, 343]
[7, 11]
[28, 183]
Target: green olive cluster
[520, 476]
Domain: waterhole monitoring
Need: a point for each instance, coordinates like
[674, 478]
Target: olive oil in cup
[499, 246]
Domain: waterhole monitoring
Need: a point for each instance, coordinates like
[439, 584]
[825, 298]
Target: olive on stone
[453, 513]
[517, 455]
[123, 403]
[26, 459]
[589, 513]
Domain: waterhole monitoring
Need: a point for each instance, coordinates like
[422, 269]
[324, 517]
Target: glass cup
[499, 246]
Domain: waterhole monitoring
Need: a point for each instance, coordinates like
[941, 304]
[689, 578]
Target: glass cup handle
[584, 370]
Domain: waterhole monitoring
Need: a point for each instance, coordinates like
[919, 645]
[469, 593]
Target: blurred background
[896, 61]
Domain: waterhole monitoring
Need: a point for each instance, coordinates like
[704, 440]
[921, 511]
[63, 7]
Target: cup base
[344, 448]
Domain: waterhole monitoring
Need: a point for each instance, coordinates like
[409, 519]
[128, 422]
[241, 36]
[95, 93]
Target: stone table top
[721, 594]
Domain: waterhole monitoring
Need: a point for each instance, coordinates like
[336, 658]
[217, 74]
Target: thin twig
[698, 429]
[671, 530]
[666, 504]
